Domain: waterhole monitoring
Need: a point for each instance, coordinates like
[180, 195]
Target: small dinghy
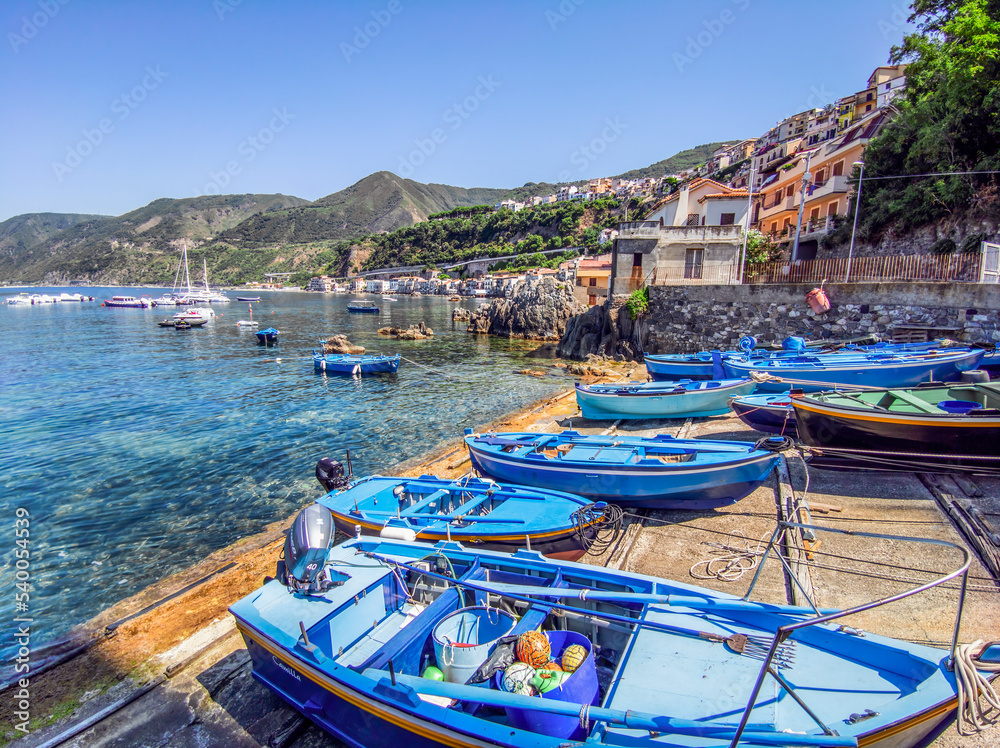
[248, 324]
[362, 307]
[647, 472]
[344, 363]
[472, 511]
[682, 399]
[933, 427]
[267, 336]
[384, 642]
[771, 414]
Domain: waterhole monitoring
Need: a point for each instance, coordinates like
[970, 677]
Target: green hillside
[379, 202]
[21, 232]
[137, 247]
[678, 162]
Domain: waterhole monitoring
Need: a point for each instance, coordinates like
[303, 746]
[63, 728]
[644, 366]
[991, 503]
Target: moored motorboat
[22, 299]
[267, 336]
[248, 298]
[345, 633]
[681, 399]
[771, 414]
[248, 323]
[817, 373]
[471, 511]
[648, 472]
[129, 302]
[351, 364]
[362, 307]
[932, 427]
[195, 315]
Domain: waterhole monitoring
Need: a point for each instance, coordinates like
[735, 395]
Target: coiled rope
[974, 689]
[729, 562]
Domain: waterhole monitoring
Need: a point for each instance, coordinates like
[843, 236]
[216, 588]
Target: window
[637, 259]
[692, 219]
[820, 177]
[593, 282]
[774, 227]
[693, 259]
[814, 214]
[727, 219]
[790, 190]
[868, 108]
[838, 169]
[831, 209]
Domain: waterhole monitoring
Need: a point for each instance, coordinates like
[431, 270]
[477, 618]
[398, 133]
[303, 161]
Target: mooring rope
[436, 371]
[974, 689]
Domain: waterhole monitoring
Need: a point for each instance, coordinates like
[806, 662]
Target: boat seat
[426, 502]
[921, 405]
[406, 645]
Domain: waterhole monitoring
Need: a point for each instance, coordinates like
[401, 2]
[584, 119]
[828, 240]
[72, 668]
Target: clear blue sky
[109, 105]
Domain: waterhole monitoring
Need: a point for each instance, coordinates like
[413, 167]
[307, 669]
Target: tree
[949, 121]
[760, 248]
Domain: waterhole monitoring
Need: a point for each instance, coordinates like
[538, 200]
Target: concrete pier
[178, 675]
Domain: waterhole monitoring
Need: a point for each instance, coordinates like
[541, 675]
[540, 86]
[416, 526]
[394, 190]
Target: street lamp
[857, 209]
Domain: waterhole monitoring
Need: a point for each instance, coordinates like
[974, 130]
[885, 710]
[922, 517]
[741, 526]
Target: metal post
[857, 209]
[746, 230]
[802, 207]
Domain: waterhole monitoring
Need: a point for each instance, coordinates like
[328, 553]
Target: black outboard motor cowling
[307, 547]
[331, 475]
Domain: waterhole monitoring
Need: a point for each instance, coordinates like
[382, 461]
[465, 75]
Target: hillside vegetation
[948, 123]
[678, 162]
[19, 233]
[479, 233]
[379, 202]
[138, 247]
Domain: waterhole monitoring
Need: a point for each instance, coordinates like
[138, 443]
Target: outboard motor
[331, 475]
[307, 546]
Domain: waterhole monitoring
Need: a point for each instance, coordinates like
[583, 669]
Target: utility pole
[802, 205]
[746, 229]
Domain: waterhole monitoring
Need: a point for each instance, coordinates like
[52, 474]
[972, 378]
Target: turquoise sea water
[138, 450]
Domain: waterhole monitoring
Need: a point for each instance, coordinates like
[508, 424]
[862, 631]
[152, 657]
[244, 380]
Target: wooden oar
[633, 720]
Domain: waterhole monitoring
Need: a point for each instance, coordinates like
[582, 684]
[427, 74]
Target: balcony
[837, 185]
[639, 230]
[773, 207]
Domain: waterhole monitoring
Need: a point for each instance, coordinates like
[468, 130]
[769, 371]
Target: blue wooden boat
[345, 634]
[681, 399]
[362, 307]
[248, 298]
[472, 511]
[708, 364]
[991, 359]
[267, 336]
[817, 373]
[772, 414]
[655, 472]
[342, 363]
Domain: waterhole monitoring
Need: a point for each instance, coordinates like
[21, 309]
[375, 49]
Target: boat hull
[350, 365]
[771, 414]
[363, 310]
[857, 372]
[898, 441]
[668, 368]
[604, 403]
[350, 658]
[674, 487]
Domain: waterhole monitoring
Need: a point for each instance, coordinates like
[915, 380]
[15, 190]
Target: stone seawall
[692, 318]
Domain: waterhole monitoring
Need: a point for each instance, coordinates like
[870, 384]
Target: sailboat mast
[204, 264]
[187, 275]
